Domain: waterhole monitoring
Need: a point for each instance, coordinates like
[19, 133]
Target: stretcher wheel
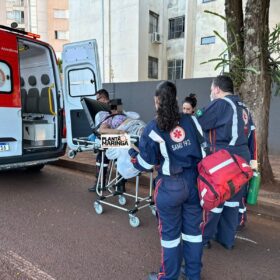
[72, 154]
[134, 221]
[122, 200]
[98, 208]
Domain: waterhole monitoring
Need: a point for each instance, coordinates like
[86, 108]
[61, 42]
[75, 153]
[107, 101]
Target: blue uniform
[175, 155]
[228, 125]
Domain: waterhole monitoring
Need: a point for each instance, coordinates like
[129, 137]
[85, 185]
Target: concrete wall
[124, 40]
[57, 24]
[138, 97]
[274, 126]
[115, 26]
[205, 25]
[42, 22]
[274, 11]
[3, 11]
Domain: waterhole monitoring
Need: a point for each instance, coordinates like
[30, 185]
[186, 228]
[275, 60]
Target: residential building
[151, 39]
[48, 18]
[138, 40]
[58, 24]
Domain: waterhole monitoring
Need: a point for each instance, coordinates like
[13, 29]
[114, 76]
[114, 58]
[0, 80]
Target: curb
[84, 167]
[264, 207]
[89, 168]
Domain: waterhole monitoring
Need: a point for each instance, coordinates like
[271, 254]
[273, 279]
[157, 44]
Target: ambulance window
[5, 78]
[81, 82]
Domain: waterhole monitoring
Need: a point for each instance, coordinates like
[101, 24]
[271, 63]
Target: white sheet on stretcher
[124, 165]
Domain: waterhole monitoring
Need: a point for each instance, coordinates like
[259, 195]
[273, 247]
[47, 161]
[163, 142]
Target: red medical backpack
[221, 175]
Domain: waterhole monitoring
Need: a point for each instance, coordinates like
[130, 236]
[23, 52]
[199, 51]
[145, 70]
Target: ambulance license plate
[4, 147]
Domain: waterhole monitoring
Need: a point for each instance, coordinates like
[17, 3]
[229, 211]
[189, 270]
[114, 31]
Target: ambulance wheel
[98, 208]
[134, 221]
[122, 200]
[35, 168]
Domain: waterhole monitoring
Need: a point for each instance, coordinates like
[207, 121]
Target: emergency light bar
[29, 34]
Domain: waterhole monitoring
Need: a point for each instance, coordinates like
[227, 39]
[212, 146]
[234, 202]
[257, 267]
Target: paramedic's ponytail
[168, 111]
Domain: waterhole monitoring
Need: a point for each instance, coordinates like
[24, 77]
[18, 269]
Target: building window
[175, 69]
[64, 14]
[17, 16]
[153, 22]
[61, 35]
[176, 27]
[16, 2]
[208, 40]
[153, 68]
[206, 1]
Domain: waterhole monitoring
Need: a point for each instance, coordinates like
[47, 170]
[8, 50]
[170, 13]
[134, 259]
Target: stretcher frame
[106, 194]
[112, 188]
[91, 108]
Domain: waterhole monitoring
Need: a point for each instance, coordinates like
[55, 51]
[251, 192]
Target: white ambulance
[31, 102]
[81, 79]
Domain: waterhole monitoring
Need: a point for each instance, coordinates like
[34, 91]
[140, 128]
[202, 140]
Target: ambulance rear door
[81, 79]
[10, 100]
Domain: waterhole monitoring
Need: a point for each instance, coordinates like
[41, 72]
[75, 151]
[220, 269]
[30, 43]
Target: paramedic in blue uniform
[102, 96]
[169, 144]
[227, 123]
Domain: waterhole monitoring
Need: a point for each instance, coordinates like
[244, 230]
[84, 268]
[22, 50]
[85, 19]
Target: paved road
[49, 231]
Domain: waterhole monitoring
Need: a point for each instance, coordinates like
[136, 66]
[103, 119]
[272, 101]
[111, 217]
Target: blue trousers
[179, 216]
[221, 222]
[242, 215]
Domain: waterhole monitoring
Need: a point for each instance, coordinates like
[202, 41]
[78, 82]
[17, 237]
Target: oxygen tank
[254, 187]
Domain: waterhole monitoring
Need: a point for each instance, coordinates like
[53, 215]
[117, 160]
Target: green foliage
[237, 65]
[59, 64]
[274, 57]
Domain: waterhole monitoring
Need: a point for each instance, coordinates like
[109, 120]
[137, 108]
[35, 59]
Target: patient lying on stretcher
[117, 121]
[120, 122]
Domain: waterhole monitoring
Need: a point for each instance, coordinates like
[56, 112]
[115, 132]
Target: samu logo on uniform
[115, 141]
[177, 134]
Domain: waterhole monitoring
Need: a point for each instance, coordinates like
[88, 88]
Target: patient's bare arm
[104, 129]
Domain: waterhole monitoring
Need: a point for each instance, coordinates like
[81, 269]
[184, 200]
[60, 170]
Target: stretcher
[108, 193]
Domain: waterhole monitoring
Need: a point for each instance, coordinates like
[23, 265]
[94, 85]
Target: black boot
[207, 245]
[121, 186]
[93, 188]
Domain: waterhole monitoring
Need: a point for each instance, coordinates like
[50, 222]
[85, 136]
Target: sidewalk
[268, 202]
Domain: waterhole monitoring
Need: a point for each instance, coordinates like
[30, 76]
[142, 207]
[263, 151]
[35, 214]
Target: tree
[249, 39]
